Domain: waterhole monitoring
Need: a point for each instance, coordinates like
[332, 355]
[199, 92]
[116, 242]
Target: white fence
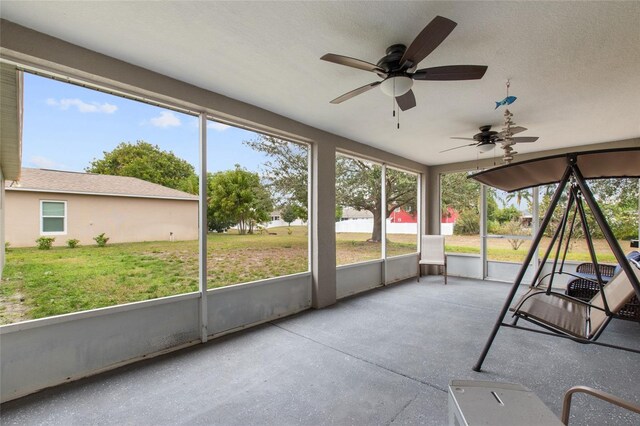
[366, 226]
[280, 222]
[446, 228]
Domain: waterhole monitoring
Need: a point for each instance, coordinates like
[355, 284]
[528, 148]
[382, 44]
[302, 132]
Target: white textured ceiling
[574, 66]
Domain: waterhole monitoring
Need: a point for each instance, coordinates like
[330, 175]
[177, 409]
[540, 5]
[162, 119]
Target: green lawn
[41, 283]
[500, 249]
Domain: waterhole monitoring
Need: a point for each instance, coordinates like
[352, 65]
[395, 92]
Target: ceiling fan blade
[352, 62]
[463, 139]
[429, 38]
[451, 72]
[406, 101]
[355, 92]
[514, 131]
[525, 139]
[457, 147]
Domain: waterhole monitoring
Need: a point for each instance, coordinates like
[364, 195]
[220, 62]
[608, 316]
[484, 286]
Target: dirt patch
[13, 309]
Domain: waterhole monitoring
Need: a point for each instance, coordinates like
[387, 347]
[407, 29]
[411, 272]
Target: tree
[463, 195]
[508, 214]
[618, 200]
[148, 162]
[460, 193]
[288, 214]
[524, 194]
[286, 174]
[357, 181]
[238, 197]
[358, 185]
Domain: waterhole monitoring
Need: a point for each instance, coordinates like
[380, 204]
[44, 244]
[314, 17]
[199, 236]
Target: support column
[203, 229]
[383, 224]
[432, 202]
[535, 222]
[322, 212]
[422, 203]
[483, 231]
[2, 238]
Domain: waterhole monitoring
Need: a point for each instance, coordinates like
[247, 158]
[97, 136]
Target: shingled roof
[43, 180]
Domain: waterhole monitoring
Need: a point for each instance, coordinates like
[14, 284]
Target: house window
[54, 217]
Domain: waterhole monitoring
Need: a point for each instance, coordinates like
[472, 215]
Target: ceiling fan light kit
[396, 85]
[485, 147]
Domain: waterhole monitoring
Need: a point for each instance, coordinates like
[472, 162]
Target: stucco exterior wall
[122, 219]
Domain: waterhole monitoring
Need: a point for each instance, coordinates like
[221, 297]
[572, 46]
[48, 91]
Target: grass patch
[41, 283]
[500, 249]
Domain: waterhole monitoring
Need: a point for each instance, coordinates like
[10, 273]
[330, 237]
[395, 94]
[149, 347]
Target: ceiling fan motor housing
[391, 62]
[486, 135]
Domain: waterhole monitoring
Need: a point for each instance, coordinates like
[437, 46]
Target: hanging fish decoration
[506, 101]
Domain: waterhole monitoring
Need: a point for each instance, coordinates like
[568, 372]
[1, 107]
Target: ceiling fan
[487, 138]
[398, 67]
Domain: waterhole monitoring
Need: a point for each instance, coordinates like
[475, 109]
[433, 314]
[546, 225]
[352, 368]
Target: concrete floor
[384, 357]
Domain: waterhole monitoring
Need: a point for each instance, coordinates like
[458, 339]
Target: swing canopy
[618, 163]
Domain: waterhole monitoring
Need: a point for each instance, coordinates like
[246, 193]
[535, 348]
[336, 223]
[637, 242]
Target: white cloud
[166, 119]
[45, 163]
[217, 126]
[66, 103]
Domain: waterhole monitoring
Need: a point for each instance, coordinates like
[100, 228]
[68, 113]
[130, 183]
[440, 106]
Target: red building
[401, 216]
[449, 216]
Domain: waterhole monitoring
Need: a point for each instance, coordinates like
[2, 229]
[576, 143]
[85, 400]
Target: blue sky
[67, 126]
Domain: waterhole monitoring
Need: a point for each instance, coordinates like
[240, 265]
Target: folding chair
[432, 254]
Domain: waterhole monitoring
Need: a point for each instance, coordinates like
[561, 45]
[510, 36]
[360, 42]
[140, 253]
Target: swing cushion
[617, 292]
[555, 310]
[572, 316]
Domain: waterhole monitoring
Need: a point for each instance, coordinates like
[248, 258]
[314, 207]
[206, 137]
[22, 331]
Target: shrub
[508, 214]
[45, 243]
[493, 226]
[72, 243]
[513, 228]
[468, 223]
[101, 240]
[6, 245]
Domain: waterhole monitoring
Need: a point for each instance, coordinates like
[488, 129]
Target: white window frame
[417, 212]
[66, 213]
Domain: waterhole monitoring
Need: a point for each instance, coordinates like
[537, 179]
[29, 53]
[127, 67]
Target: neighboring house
[71, 205]
[450, 216]
[526, 220]
[277, 221]
[402, 216]
[361, 221]
[448, 221]
[349, 213]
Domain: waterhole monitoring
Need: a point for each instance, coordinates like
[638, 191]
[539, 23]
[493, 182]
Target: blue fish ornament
[506, 101]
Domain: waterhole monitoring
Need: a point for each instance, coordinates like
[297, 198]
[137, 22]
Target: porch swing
[556, 313]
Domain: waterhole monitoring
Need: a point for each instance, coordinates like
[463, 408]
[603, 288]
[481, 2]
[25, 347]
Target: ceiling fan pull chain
[393, 98]
[398, 119]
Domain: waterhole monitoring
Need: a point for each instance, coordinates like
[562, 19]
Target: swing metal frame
[578, 191]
